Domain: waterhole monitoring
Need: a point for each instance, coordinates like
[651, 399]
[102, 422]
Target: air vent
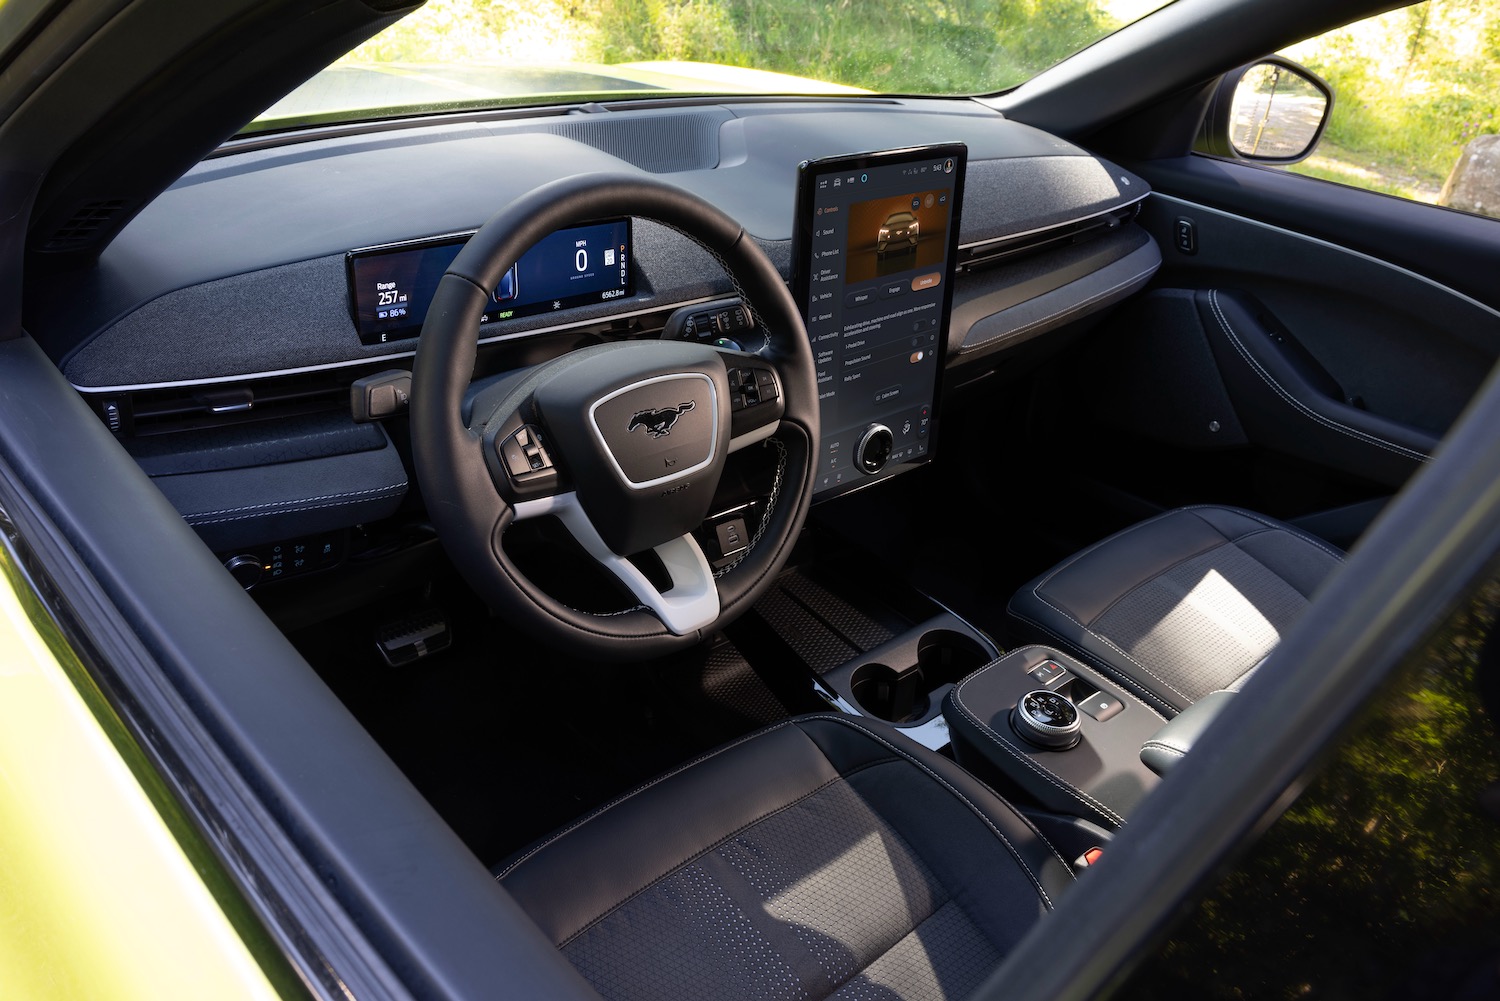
[193, 408]
[79, 231]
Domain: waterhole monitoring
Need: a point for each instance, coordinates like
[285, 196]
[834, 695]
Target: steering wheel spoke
[690, 604]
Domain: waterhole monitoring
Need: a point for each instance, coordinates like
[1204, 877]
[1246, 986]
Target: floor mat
[508, 740]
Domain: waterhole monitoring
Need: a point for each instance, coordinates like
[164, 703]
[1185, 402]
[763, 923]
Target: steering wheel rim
[455, 457]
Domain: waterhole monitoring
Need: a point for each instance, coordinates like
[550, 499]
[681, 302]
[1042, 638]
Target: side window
[1416, 92]
[1383, 879]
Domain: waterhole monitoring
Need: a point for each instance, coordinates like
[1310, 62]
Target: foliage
[1383, 879]
[902, 46]
[1412, 87]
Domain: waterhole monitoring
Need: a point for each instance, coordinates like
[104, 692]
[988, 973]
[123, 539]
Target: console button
[1047, 672]
[1101, 706]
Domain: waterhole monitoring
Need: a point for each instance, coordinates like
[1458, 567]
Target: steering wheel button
[515, 459]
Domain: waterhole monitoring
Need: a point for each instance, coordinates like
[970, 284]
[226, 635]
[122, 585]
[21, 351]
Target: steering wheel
[624, 442]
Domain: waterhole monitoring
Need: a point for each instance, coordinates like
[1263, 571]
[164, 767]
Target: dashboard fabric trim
[192, 291]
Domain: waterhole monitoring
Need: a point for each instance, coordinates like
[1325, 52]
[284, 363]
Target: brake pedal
[407, 640]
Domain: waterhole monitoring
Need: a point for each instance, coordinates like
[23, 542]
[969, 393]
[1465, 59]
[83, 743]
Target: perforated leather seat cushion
[1181, 605]
[824, 857]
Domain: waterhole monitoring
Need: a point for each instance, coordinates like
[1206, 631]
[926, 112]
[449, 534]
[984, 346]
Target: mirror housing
[1271, 111]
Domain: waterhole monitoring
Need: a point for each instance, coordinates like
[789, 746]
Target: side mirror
[1271, 111]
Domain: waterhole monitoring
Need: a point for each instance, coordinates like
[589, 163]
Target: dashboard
[281, 270]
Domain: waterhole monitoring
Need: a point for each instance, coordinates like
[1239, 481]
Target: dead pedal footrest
[409, 639]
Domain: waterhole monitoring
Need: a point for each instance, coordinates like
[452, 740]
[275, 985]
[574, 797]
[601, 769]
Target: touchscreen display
[390, 288]
[877, 235]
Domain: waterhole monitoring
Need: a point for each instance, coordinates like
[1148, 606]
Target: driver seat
[825, 857]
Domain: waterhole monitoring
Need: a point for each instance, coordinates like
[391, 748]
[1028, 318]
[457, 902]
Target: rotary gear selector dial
[1047, 719]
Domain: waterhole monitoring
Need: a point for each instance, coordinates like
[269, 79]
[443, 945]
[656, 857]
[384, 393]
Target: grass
[1332, 162]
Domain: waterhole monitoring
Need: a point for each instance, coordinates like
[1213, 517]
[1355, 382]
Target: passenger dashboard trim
[996, 241]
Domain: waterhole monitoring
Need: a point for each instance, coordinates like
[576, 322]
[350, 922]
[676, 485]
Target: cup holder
[943, 657]
[888, 694]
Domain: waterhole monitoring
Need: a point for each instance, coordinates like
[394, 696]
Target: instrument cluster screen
[877, 236]
[391, 287]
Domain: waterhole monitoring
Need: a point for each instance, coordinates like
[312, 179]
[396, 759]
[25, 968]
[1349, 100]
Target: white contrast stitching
[1112, 645]
[260, 444]
[1025, 759]
[1275, 526]
[792, 722]
[1136, 688]
[967, 802]
[1050, 317]
[280, 507]
[1297, 404]
[765, 517]
[1164, 748]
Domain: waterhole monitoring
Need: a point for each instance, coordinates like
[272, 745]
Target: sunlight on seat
[1213, 620]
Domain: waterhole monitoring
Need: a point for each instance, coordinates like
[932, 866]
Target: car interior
[734, 545]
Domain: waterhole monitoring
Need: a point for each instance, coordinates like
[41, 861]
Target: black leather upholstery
[827, 856]
[1181, 605]
[1172, 742]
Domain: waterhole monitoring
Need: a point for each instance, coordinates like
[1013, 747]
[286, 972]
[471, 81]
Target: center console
[1070, 739]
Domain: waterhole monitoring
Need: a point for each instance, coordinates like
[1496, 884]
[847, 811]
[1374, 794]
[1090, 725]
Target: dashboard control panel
[875, 241]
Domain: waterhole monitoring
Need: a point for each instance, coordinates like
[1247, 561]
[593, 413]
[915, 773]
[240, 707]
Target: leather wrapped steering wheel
[624, 442]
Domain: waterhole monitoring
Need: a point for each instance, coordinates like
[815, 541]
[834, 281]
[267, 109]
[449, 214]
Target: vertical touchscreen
[877, 235]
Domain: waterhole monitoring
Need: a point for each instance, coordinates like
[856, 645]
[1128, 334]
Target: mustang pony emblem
[658, 423]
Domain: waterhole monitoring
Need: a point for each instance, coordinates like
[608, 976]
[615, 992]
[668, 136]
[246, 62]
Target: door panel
[1278, 366]
[1410, 349]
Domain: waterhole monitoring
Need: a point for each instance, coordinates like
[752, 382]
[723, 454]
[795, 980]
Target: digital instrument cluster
[391, 287]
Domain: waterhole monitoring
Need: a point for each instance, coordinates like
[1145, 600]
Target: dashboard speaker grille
[81, 227]
[663, 145]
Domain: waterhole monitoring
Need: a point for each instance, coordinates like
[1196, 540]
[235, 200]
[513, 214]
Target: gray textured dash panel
[663, 145]
[1005, 197]
[297, 316]
[203, 284]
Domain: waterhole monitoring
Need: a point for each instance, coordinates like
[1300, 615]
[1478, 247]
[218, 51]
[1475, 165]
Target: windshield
[460, 54]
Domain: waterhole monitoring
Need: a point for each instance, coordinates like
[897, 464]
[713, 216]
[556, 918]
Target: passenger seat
[1184, 604]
